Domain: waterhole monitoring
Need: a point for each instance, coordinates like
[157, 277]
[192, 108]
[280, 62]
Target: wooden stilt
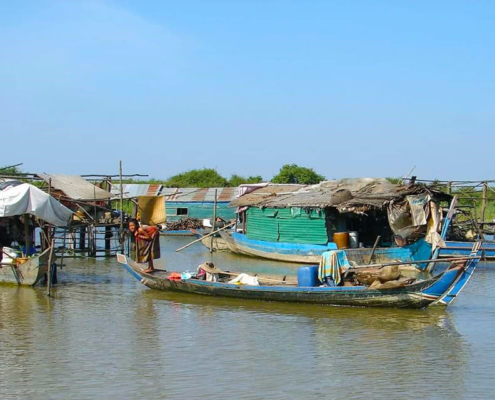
[214, 220]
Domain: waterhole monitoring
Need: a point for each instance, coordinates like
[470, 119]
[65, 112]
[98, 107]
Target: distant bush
[293, 173]
[200, 178]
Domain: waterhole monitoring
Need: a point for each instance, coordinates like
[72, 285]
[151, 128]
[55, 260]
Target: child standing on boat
[147, 243]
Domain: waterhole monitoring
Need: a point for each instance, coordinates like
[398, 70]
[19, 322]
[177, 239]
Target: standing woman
[147, 243]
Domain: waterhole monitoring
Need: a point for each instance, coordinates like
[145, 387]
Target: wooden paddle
[205, 236]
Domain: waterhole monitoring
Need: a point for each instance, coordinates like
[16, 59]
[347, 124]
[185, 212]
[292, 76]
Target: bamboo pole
[205, 236]
[214, 220]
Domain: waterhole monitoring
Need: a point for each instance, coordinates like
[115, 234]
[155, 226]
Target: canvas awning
[28, 199]
[76, 187]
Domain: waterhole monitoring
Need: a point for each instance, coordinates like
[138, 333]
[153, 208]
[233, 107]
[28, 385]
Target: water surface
[102, 335]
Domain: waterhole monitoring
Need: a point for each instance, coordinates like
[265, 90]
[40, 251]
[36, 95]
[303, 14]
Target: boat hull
[218, 242]
[456, 248]
[27, 274]
[311, 254]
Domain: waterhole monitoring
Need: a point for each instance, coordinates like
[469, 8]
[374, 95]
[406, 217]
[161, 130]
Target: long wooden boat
[439, 290]
[311, 254]
[457, 248]
[28, 273]
[218, 242]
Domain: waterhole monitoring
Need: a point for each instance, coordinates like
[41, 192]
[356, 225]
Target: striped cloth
[331, 264]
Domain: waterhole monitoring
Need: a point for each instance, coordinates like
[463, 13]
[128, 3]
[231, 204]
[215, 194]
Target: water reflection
[103, 335]
[335, 345]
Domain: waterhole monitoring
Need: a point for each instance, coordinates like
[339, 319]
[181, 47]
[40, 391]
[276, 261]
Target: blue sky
[361, 88]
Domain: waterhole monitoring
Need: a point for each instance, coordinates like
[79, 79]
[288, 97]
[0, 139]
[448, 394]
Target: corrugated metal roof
[199, 194]
[76, 187]
[259, 196]
[133, 190]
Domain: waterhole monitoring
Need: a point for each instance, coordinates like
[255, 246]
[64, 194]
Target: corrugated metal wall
[287, 225]
[198, 210]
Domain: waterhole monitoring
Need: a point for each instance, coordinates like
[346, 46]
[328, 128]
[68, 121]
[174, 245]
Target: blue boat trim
[419, 250]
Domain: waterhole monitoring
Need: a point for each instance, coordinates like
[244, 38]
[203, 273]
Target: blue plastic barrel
[307, 276]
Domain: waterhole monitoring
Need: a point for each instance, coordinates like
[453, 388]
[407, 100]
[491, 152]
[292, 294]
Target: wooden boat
[439, 290]
[458, 248]
[27, 273]
[218, 242]
[311, 254]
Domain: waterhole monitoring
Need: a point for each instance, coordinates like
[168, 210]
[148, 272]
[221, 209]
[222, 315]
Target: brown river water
[102, 335]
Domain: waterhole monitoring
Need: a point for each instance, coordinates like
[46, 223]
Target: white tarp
[28, 199]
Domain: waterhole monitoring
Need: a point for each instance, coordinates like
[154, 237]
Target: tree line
[209, 177]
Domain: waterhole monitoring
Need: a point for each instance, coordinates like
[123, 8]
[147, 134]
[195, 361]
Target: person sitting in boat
[147, 243]
[208, 272]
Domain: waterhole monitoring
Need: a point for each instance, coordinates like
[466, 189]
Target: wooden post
[214, 220]
[94, 199]
[27, 238]
[374, 249]
[50, 262]
[48, 231]
[449, 187]
[108, 237]
[483, 202]
[82, 237]
[93, 240]
[121, 233]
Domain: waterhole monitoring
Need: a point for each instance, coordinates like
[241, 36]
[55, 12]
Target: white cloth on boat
[28, 199]
[245, 279]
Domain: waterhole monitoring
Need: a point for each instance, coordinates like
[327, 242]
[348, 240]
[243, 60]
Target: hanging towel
[332, 263]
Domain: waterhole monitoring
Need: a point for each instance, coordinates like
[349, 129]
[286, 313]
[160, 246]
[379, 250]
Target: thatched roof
[352, 194]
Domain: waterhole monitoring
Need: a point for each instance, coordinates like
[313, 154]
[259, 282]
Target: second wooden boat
[27, 273]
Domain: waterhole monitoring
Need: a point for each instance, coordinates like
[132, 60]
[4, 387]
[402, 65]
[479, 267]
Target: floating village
[362, 242]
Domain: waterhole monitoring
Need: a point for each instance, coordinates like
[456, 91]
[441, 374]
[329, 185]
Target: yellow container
[341, 239]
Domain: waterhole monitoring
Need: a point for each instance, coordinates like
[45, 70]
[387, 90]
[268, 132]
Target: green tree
[13, 170]
[201, 178]
[293, 173]
[395, 181]
[236, 180]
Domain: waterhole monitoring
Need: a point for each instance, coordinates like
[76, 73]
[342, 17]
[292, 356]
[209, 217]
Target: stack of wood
[184, 224]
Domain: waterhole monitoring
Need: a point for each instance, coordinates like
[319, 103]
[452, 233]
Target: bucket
[341, 239]
[308, 276]
[354, 239]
